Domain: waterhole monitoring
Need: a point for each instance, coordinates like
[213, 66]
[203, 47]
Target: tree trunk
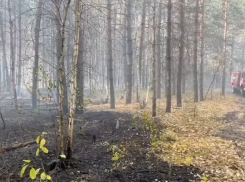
[125, 60]
[224, 47]
[110, 61]
[232, 55]
[61, 80]
[80, 74]
[202, 52]
[181, 54]
[36, 61]
[154, 99]
[74, 83]
[114, 44]
[158, 63]
[20, 48]
[12, 57]
[168, 56]
[130, 54]
[195, 79]
[141, 49]
[61, 63]
[173, 68]
[6, 76]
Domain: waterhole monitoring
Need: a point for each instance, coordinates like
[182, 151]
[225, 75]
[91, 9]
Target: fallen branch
[3, 150]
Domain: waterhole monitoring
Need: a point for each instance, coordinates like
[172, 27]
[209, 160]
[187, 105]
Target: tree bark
[195, 79]
[80, 74]
[181, 54]
[225, 45]
[232, 55]
[12, 57]
[202, 52]
[110, 61]
[158, 63]
[62, 84]
[6, 76]
[60, 44]
[36, 61]
[141, 49]
[130, 54]
[154, 99]
[168, 56]
[74, 83]
[125, 60]
[20, 48]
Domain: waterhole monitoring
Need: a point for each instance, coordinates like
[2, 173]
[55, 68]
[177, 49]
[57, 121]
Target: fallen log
[16, 146]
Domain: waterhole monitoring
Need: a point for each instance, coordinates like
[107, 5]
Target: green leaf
[27, 161]
[43, 176]
[45, 150]
[37, 171]
[63, 156]
[33, 174]
[115, 158]
[38, 139]
[37, 152]
[188, 161]
[23, 170]
[43, 142]
[49, 177]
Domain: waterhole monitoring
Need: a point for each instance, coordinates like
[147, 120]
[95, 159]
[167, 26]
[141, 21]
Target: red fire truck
[238, 82]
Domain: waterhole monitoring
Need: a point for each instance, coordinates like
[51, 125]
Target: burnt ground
[92, 161]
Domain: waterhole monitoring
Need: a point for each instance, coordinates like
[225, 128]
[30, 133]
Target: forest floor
[201, 142]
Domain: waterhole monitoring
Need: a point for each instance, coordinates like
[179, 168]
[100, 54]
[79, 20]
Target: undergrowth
[190, 137]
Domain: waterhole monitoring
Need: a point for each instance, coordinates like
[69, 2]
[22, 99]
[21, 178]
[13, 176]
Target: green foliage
[22, 172]
[33, 174]
[28, 163]
[44, 176]
[164, 140]
[118, 153]
[135, 121]
[149, 122]
[204, 179]
[38, 139]
[168, 137]
[41, 146]
[87, 101]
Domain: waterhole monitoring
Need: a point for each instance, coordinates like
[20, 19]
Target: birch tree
[72, 109]
[61, 80]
